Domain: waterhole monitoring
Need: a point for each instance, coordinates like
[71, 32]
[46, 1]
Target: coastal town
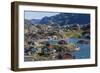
[52, 42]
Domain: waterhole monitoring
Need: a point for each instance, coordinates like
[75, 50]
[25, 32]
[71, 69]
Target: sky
[37, 15]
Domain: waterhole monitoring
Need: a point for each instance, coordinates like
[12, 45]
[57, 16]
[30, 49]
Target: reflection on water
[84, 51]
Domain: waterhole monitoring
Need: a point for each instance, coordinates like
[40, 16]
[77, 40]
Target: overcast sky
[37, 15]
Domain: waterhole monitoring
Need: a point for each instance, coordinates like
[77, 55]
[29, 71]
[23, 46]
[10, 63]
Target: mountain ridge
[63, 19]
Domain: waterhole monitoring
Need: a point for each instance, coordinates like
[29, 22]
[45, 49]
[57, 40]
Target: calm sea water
[84, 52]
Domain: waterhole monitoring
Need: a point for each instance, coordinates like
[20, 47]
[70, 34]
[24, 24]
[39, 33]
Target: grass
[73, 34]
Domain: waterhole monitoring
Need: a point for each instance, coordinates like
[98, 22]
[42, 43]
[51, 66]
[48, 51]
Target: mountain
[61, 19]
[35, 21]
[45, 20]
[66, 18]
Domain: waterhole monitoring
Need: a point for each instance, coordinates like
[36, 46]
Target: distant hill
[27, 22]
